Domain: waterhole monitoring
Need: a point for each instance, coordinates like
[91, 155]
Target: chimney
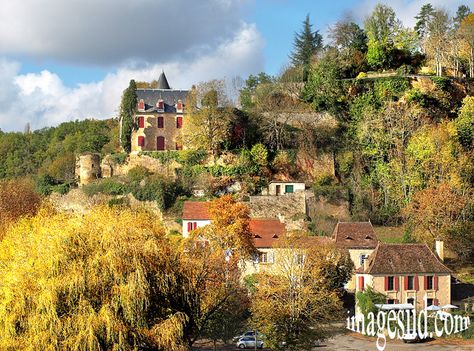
[439, 246]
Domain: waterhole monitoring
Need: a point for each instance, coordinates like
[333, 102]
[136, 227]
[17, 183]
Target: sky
[67, 60]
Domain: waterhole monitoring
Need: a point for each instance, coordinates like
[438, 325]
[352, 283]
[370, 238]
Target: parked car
[249, 342]
[411, 336]
[248, 333]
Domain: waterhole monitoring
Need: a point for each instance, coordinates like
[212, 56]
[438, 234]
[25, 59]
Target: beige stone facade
[151, 131]
[442, 295]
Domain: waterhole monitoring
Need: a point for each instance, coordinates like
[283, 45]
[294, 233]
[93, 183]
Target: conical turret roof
[163, 82]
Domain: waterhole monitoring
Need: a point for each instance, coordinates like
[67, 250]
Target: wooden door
[278, 190]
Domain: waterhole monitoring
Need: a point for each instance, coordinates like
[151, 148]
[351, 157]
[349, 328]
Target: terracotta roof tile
[196, 210]
[354, 235]
[402, 259]
[266, 231]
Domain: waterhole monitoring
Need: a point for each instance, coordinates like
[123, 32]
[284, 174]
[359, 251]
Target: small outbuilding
[277, 188]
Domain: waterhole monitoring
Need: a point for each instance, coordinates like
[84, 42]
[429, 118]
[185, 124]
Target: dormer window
[160, 105]
[179, 106]
[141, 105]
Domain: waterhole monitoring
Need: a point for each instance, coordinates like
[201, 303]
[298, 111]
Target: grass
[391, 235]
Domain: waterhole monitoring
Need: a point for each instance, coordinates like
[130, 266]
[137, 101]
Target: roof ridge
[372, 262]
[437, 258]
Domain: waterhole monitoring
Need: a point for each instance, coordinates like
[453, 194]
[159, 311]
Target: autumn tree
[436, 212]
[208, 126]
[18, 199]
[438, 38]
[128, 107]
[461, 13]
[464, 124]
[293, 303]
[466, 32]
[306, 45]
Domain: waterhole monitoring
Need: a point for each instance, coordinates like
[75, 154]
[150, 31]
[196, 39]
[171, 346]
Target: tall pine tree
[127, 110]
[422, 20]
[306, 44]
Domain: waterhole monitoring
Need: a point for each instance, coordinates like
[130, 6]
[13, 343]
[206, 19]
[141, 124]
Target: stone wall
[89, 168]
[289, 208]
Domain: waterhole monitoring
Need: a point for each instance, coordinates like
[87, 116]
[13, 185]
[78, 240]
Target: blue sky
[66, 60]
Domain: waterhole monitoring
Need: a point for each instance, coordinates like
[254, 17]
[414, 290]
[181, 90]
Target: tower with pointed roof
[160, 117]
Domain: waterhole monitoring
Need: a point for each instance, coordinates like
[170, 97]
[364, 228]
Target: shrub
[192, 157]
[138, 173]
[158, 189]
[165, 157]
[441, 83]
[259, 155]
[106, 186]
[390, 87]
[118, 201]
[404, 70]
[119, 158]
[416, 96]
[61, 188]
[44, 184]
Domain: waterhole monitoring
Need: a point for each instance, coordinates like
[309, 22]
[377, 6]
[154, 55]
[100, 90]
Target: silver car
[249, 342]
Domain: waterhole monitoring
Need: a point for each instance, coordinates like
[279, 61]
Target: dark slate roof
[163, 82]
[403, 259]
[355, 235]
[170, 98]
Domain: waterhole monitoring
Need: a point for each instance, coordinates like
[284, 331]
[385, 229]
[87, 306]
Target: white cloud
[43, 100]
[112, 31]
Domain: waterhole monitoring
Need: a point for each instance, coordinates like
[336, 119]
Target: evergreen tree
[423, 18]
[127, 110]
[306, 44]
[462, 12]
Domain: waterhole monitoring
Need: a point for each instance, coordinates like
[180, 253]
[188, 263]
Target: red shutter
[195, 225]
[190, 226]
[179, 106]
[141, 141]
[386, 283]
[161, 122]
[435, 302]
[435, 282]
[425, 282]
[395, 282]
[415, 278]
[141, 105]
[141, 122]
[405, 283]
[179, 122]
[361, 283]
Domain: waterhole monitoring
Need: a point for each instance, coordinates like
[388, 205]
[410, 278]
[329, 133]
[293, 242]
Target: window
[390, 285]
[141, 122]
[160, 143]
[390, 301]
[192, 226]
[265, 257]
[179, 122]
[411, 300]
[299, 258]
[141, 141]
[288, 189]
[161, 122]
[429, 302]
[362, 259]
[411, 282]
[429, 282]
[160, 105]
[141, 105]
[179, 106]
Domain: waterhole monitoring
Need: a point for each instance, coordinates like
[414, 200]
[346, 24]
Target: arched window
[160, 143]
[161, 122]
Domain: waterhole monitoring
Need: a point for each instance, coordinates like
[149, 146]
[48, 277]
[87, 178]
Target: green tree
[422, 20]
[259, 155]
[247, 93]
[381, 27]
[462, 12]
[464, 123]
[305, 46]
[128, 107]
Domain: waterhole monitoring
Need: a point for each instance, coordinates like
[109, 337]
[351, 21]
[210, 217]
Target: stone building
[88, 168]
[159, 118]
[406, 273]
